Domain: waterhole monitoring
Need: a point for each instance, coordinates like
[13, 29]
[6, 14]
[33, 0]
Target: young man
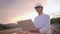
[42, 21]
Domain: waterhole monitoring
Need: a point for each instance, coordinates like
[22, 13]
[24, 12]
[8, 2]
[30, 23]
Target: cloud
[13, 8]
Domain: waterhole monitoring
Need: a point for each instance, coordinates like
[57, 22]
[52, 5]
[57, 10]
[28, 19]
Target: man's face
[39, 9]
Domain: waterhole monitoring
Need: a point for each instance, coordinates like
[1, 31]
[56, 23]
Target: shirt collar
[41, 14]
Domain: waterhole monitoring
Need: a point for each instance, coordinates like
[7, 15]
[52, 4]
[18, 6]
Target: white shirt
[42, 22]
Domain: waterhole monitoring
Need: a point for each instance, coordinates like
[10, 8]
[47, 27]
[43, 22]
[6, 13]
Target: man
[42, 21]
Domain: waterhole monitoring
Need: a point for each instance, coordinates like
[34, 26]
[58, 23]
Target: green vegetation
[2, 27]
[8, 26]
[55, 21]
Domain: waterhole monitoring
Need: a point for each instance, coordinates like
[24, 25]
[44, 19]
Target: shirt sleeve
[46, 25]
[35, 23]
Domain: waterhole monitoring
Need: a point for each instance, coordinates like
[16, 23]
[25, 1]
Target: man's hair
[39, 7]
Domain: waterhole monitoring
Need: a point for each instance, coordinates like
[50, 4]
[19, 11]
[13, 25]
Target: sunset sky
[12, 11]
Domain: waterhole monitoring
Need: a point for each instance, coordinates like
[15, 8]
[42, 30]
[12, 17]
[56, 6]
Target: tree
[55, 21]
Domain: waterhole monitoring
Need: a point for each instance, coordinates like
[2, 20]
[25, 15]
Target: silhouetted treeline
[2, 27]
[55, 21]
[8, 26]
